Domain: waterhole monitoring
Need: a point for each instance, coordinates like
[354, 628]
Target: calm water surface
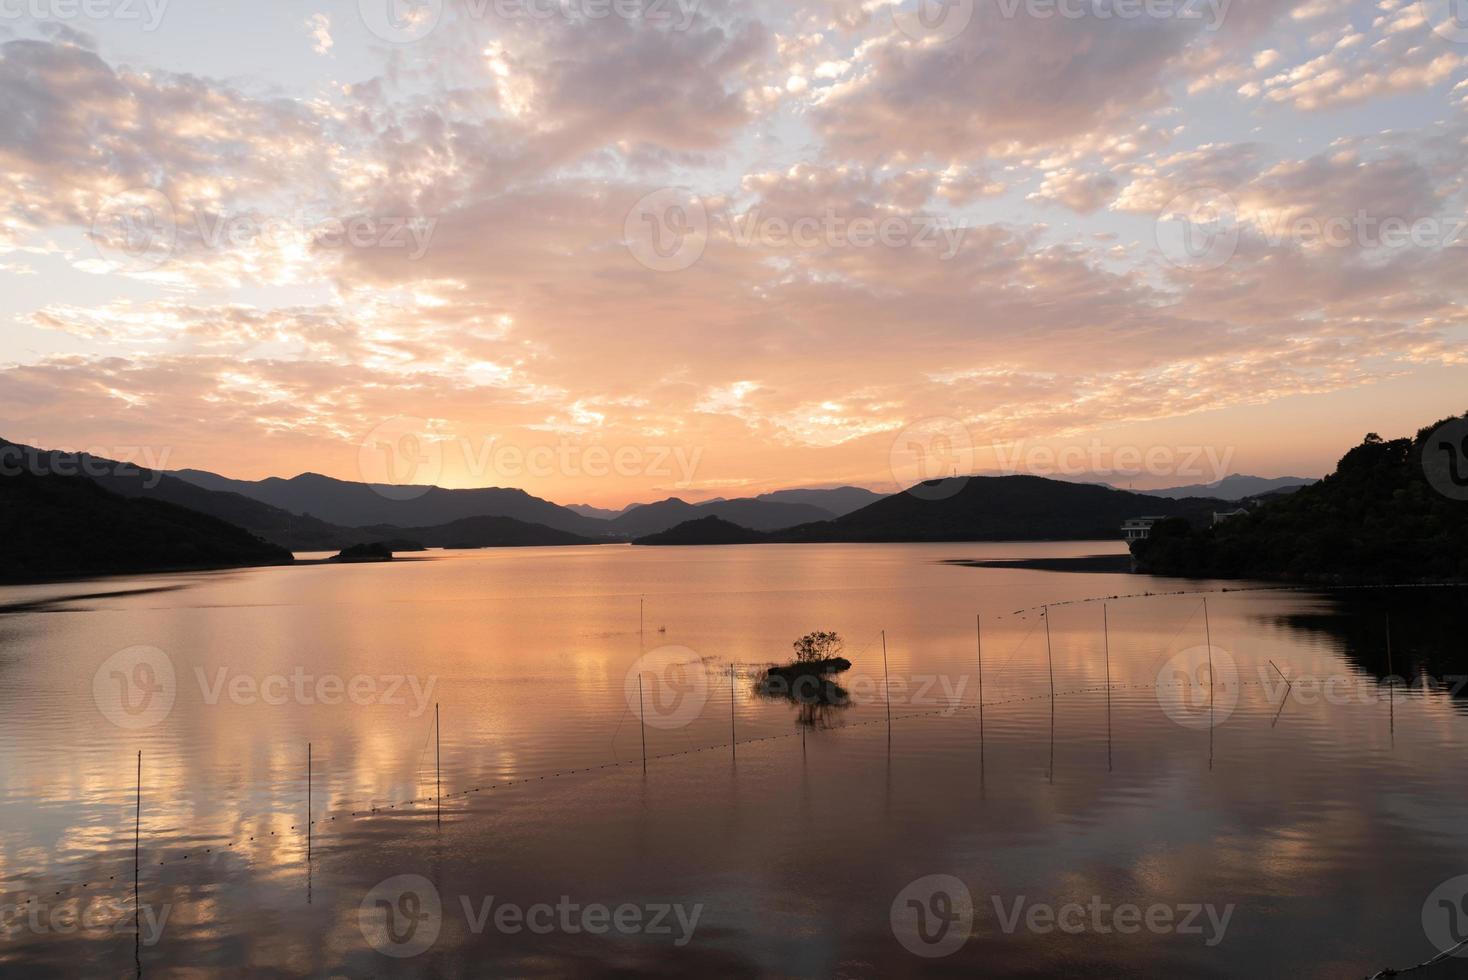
[1320, 817]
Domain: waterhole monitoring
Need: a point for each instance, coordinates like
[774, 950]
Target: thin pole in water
[642, 724]
[308, 803]
[1049, 656]
[886, 684]
[979, 641]
[1208, 638]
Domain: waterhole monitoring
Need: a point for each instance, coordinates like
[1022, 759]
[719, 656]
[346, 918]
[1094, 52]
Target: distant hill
[350, 504]
[1376, 519]
[596, 513]
[1235, 486]
[839, 501]
[482, 532]
[705, 530]
[757, 515]
[67, 526]
[1000, 508]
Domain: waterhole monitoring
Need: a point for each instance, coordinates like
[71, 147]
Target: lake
[1115, 808]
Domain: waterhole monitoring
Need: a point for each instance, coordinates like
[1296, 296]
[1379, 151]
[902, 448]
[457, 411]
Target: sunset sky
[274, 237]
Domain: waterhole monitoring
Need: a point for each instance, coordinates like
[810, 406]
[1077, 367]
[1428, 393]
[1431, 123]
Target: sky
[615, 250]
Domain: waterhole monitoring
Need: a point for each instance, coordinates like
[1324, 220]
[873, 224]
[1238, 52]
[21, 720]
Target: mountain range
[1235, 486]
[254, 521]
[994, 508]
[346, 504]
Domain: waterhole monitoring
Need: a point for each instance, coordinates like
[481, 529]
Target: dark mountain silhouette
[1000, 508]
[128, 480]
[273, 524]
[351, 504]
[704, 530]
[67, 526]
[480, 532]
[757, 515]
[839, 501]
[1235, 486]
[1376, 519]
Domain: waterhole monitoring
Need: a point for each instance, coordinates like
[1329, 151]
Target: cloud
[320, 27]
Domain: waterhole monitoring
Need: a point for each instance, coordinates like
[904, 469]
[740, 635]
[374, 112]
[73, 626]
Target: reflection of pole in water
[1208, 639]
[979, 641]
[1106, 646]
[308, 807]
[1050, 660]
[437, 766]
[733, 739]
[1050, 775]
[886, 686]
[641, 723]
[1289, 686]
[1391, 683]
[137, 850]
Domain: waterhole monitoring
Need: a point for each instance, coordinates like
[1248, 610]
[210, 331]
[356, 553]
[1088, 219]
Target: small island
[807, 678]
[376, 551]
